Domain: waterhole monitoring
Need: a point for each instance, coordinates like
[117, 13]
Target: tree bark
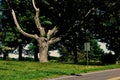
[36, 50]
[75, 50]
[36, 55]
[43, 49]
[5, 56]
[75, 55]
[20, 52]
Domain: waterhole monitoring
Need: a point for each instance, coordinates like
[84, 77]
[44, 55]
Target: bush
[108, 59]
[27, 59]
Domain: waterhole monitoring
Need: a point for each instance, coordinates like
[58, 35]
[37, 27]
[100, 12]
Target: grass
[16, 70]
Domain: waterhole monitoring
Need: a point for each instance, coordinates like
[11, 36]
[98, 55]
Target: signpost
[87, 48]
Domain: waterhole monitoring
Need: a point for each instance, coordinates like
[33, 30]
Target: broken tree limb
[51, 32]
[54, 40]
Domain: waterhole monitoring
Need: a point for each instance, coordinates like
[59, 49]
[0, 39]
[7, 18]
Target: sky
[0, 2]
[103, 46]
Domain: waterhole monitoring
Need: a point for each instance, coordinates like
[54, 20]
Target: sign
[87, 46]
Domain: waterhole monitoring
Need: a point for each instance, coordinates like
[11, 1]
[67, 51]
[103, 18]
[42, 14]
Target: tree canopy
[77, 20]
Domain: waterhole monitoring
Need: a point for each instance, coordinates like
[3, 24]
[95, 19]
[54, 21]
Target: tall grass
[15, 70]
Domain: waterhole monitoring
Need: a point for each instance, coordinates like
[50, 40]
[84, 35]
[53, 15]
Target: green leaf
[19, 40]
[42, 17]
[45, 2]
[46, 23]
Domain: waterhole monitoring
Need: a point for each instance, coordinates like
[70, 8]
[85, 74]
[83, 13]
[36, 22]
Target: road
[113, 74]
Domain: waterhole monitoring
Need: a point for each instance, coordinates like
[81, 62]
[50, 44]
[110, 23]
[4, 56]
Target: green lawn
[15, 70]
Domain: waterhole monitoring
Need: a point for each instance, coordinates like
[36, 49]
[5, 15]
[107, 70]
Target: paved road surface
[113, 74]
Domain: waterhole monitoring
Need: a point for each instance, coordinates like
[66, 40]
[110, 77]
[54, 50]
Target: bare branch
[54, 40]
[19, 28]
[89, 11]
[81, 21]
[36, 9]
[51, 32]
[36, 19]
[33, 2]
[88, 14]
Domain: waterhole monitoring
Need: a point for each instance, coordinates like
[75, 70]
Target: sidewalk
[113, 74]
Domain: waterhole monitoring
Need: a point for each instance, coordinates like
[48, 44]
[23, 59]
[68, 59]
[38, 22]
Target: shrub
[108, 59]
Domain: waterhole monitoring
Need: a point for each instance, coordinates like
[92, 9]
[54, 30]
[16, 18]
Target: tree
[108, 27]
[10, 38]
[96, 51]
[70, 16]
[44, 38]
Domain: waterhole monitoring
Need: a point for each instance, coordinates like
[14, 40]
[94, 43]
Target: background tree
[11, 38]
[107, 27]
[96, 51]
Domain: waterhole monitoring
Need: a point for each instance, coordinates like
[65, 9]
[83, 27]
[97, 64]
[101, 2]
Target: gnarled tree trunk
[43, 49]
[43, 41]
